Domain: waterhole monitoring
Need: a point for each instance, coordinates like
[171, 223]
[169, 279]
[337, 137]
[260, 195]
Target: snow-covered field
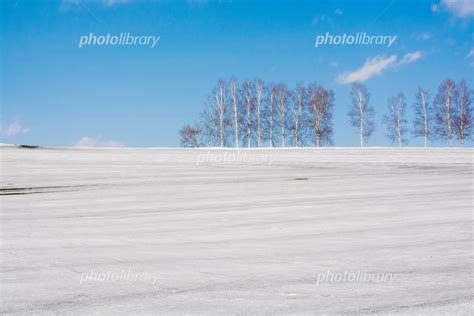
[246, 232]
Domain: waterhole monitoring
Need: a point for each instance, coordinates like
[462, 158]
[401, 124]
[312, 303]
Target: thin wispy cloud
[115, 2]
[411, 57]
[459, 8]
[97, 142]
[385, 9]
[376, 65]
[89, 6]
[201, 3]
[423, 36]
[107, 3]
[14, 128]
[322, 19]
[470, 56]
[372, 67]
[326, 19]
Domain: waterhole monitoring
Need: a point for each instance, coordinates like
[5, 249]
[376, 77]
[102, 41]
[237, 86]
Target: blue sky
[55, 93]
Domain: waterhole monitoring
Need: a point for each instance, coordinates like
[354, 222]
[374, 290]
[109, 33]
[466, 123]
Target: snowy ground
[245, 232]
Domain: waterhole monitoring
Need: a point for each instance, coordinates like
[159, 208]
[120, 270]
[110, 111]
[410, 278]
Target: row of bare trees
[256, 114]
[447, 116]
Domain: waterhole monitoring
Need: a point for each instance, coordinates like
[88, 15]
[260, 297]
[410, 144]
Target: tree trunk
[399, 132]
[448, 118]
[271, 119]
[361, 120]
[283, 130]
[361, 126]
[248, 125]
[236, 126]
[425, 118]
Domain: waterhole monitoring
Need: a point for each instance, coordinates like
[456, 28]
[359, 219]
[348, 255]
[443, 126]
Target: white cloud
[14, 128]
[108, 3]
[372, 67]
[470, 54]
[339, 12]
[201, 3]
[460, 8]
[411, 57]
[97, 142]
[322, 19]
[424, 36]
[375, 66]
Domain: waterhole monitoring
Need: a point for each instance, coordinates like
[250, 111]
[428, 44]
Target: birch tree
[259, 90]
[297, 99]
[361, 112]
[272, 92]
[321, 106]
[443, 108]
[282, 106]
[395, 119]
[209, 126]
[214, 115]
[422, 116]
[463, 114]
[235, 113]
[248, 110]
[220, 108]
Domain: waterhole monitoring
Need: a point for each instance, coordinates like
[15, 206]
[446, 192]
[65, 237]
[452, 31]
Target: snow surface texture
[244, 235]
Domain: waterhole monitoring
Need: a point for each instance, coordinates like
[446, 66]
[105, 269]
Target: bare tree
[249, 109]
[361, 113]
[282, 106]
[234, 99]
[321, 106]
[395, 119]
[270, 112]
[214, 117]
[443, 109]
[220, 96]
[191, 136]
[296, 99]
[259, 89]
[463, 122]
[422, 116]
[209, 130]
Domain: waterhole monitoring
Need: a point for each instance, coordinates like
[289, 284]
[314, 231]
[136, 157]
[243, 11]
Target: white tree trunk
[283, 129]
[461, 118]
[259, 123]
[425, 118]
[399, 127]
[271, 118]
[233, 88]
[248, 100]
[448, 117]
[361, 119]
